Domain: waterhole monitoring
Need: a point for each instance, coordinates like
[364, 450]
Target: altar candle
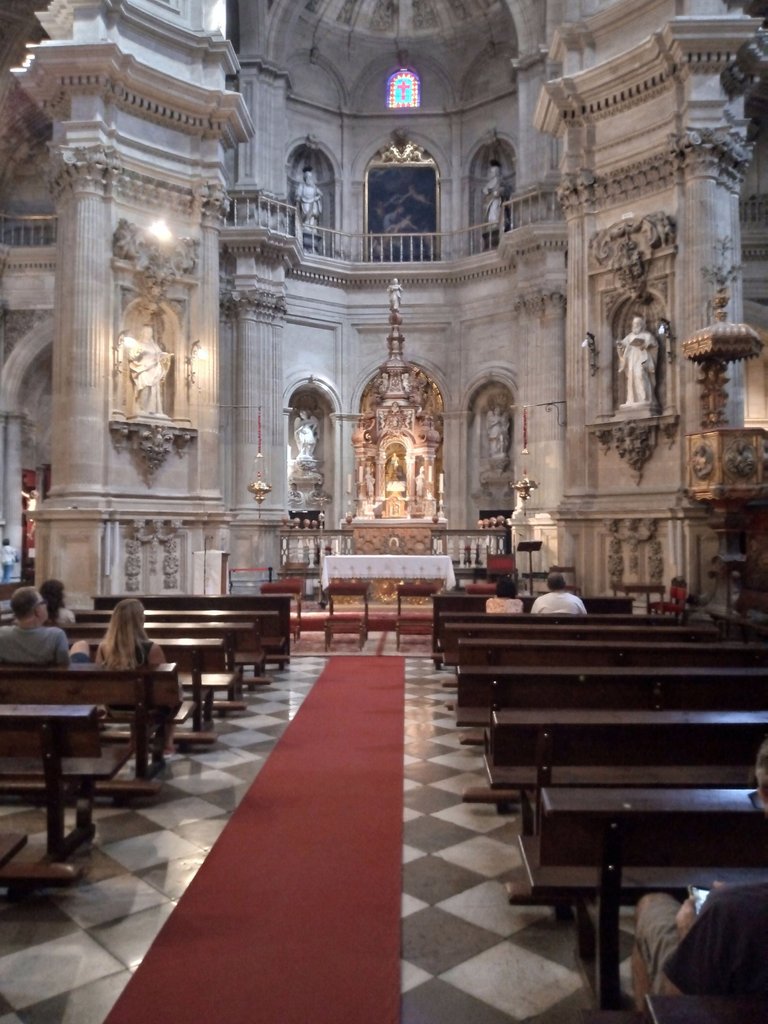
[430, 472]
[441, 484]
[349, 483]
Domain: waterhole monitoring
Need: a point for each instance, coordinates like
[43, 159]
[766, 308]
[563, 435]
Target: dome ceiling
[406, 19]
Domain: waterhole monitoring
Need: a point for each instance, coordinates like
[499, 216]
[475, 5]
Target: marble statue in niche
[493, 194]
[638, 352]
[309, 199]
[148, 364]
[497, 430]
[306, 432]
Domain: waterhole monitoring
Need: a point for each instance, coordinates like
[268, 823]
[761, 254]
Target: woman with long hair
[126, 645]
[52, 592]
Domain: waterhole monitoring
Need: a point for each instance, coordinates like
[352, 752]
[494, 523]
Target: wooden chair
[348, 615]
[500, 565]
[417, 621]
[676, 603]
[646, 590]
[294, 588]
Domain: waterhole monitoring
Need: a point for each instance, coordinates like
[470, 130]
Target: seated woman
[52, 592]
[506, 600]
[126, 645]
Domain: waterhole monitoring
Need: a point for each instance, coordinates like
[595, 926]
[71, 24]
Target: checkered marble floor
[65, 955]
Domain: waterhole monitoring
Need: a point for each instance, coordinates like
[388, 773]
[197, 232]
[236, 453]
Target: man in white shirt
[28, 641]
[558, 601]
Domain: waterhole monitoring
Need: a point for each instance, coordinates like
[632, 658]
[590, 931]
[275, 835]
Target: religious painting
[402, 200]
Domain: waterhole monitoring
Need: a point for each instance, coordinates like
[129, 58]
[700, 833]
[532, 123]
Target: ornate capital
[719, 153]
[254, 304]
[150, 442]
[539, 304]
[214, 203]
[83, 169]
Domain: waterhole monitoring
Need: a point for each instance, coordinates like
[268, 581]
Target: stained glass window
[403, 89]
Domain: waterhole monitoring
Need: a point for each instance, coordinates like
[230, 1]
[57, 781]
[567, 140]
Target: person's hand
[685, 918]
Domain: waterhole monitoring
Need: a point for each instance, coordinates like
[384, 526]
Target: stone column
[257, 384]
[714, 161]
[213, 205]
[81, 349]
[10, 467]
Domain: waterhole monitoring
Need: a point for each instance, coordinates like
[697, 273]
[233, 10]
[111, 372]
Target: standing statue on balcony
[637, 361]
[493, 194]
[309, 199]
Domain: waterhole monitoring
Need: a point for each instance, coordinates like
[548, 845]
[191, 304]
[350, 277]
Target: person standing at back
[10, 557]
[29, 641]
[559, 600]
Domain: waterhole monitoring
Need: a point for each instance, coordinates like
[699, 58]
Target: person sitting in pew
[126, 645]
[506, 600]
[559, 600]
[722, 950]
[52, 592]
[28, 641]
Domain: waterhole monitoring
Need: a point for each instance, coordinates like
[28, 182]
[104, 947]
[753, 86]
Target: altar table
[394, 568]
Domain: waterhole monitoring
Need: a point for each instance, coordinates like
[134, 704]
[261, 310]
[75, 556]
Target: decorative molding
[21, 322]
[635, 441]
[152, 536]
[157, 266]
[402, 151]
[150, 442]
[539, 304]
[627, 248]
[634, 535]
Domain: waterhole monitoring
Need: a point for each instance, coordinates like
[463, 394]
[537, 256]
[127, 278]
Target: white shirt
[558, 602]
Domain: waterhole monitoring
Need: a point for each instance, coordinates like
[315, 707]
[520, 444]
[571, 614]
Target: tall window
[403, 90]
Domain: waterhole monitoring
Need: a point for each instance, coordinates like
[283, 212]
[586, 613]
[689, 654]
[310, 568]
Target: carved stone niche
[150, 442]
[727, 464]
[635, 441]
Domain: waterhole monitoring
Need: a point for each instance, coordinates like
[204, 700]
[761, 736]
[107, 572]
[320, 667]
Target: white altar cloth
[399, 567]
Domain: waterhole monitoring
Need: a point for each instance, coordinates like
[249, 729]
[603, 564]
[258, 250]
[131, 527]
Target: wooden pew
[615, 843]
[575, 629]
[682, 1009]
[277, 646]
[443, 604]
[205, 666]
[501, 653]
[57, 748]
[730, 687]
[148, 699]
[530, 749]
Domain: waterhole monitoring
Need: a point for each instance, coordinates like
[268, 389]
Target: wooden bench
[732, 687]
[277, 645]
[529, 749]
[682, 1009]
[613, 844]
[244, 630]
[502, 653]
[148, 699]
[57, 749]
[459, 602]
[511, 628]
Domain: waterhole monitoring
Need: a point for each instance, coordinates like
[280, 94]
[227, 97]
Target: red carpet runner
[294, 918]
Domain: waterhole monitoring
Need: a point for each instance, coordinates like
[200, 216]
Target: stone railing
[27, 231]
[260, 212]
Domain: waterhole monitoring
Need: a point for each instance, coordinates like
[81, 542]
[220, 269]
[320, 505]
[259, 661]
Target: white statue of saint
[637, 361]
[492, 192]
[420, 484]
[309, 199]
[148, 364]
[395, 290]
[306, 431]
[497, 429]
[370, 482]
